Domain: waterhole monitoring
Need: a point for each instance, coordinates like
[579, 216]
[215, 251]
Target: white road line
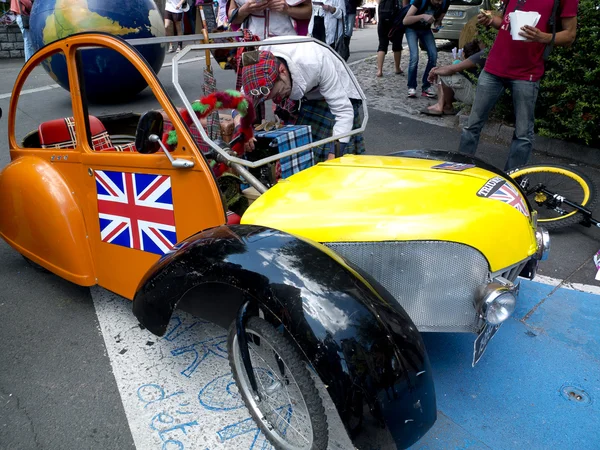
[31, 91]
[177, 390]
[590, 289]
[54, 86]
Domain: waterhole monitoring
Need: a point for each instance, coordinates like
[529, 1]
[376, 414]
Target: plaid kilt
[317, 115]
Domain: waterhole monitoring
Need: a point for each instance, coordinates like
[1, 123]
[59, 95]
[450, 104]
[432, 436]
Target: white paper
[519, 19]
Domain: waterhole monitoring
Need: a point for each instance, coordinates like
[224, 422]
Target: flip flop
[452, 112]
[400, 73]
[429, 112]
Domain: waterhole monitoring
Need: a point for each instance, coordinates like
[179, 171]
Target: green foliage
[568, 106]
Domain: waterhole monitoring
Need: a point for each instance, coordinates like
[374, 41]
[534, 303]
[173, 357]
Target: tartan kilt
[316, 113]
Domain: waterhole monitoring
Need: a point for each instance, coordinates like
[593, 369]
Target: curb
[502, 133]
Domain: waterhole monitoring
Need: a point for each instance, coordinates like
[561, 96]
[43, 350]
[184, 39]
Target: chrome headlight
[499, 300]
[543, 242]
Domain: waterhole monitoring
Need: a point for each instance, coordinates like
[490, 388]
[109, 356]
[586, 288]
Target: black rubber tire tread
[297, 367]
[571, 219]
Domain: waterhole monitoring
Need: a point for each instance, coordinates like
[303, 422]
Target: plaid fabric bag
[287, 138]
[317, 115]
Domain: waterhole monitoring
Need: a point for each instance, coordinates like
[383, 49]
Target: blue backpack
[398, 25]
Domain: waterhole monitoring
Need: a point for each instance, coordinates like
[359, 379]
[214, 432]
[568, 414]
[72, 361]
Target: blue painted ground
[517, 397]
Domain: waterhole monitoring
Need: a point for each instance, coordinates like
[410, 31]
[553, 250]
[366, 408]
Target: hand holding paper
[519, 19]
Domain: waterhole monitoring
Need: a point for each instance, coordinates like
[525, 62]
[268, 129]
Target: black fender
[361, 343]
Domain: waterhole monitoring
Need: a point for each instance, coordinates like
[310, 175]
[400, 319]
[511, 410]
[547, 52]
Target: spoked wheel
[562, 181]
[288, 408]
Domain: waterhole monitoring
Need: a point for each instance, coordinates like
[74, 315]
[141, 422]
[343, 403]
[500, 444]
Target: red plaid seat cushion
[60, 133]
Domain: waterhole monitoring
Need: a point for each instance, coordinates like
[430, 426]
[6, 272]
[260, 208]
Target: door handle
[177, 163]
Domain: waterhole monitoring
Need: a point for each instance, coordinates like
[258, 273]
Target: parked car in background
[457, 16]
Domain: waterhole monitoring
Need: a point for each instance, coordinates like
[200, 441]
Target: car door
[138, 206]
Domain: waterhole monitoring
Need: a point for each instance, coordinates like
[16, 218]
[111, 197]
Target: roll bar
[274, 41]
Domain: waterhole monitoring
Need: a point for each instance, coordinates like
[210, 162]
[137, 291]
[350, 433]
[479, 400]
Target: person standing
[174, 10]
[518, 65]
[327, 17]
[418, 20]
[387, 10]
[22, 9]
[265, 18]
[349, 20]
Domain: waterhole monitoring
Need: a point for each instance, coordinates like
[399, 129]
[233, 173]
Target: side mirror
[151, 123]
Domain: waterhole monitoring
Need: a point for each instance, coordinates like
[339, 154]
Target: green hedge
[568, 105]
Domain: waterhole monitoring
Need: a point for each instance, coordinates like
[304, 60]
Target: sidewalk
[389, 94]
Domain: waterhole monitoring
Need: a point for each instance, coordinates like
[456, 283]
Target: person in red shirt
[519, 66]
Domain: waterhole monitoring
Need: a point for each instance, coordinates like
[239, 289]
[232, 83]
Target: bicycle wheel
[288, 409]
[560, 180]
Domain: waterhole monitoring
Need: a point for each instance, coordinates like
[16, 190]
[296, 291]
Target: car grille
[511, 273]
[435, 282]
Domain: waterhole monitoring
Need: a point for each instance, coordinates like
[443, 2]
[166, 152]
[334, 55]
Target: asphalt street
[61, 379]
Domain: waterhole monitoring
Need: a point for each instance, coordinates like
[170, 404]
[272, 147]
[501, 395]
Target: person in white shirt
[174, 10]
[332, 12]
[314, 77]
[266, 18]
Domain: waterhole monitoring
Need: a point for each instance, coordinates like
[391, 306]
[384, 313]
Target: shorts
[464, 90]
[174, 17]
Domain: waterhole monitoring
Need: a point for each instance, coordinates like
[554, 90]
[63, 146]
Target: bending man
[318, 85]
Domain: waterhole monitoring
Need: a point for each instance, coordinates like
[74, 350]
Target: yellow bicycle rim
[567, 173]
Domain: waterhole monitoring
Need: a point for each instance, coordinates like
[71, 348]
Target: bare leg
[380, 58]
[179, 33]
[438, 107]
[169, 32]
[397, 57]
[448, 95]
[445, 99]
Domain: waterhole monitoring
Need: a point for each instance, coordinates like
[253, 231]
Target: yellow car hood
[383, 198]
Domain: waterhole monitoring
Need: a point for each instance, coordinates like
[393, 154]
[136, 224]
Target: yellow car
[332, 273]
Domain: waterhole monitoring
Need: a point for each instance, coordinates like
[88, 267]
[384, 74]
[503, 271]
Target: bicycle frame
[555, 200]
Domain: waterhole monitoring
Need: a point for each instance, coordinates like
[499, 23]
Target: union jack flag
[136, 210]
[508, 194]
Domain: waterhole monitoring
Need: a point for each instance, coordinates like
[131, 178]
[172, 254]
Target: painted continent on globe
[109, 77]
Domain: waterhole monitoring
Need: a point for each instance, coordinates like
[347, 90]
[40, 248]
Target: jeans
[27, 43]
[426, 37]
[349, 25]
[524, 95]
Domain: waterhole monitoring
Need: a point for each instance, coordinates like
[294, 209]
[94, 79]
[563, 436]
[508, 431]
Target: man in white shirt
[318, 81]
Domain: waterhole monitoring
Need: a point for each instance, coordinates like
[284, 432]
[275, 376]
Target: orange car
[150, 224]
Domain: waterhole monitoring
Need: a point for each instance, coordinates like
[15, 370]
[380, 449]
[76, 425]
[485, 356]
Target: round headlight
[499, 303]
[543, 241]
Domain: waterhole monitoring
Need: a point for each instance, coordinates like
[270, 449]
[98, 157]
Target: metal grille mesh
[435, 282]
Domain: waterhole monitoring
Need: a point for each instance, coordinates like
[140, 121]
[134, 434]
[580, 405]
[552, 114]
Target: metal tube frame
[274, 41]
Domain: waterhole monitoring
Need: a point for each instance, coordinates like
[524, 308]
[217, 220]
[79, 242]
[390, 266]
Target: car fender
[360, 342]
[45, 225]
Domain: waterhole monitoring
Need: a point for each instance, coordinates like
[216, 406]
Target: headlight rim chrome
[499, 287]
[542, 237]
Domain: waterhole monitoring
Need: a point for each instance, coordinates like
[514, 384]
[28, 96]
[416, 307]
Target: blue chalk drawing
[179, 329]
[151, 393]
[201, 350]
[259, 442]
[221, 394]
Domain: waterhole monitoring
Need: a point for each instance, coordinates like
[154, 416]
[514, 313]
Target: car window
[44, 110]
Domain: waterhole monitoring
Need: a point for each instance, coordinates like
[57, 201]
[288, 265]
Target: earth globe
[109, 77]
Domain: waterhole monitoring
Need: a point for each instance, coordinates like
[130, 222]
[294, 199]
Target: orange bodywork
[49, 200]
